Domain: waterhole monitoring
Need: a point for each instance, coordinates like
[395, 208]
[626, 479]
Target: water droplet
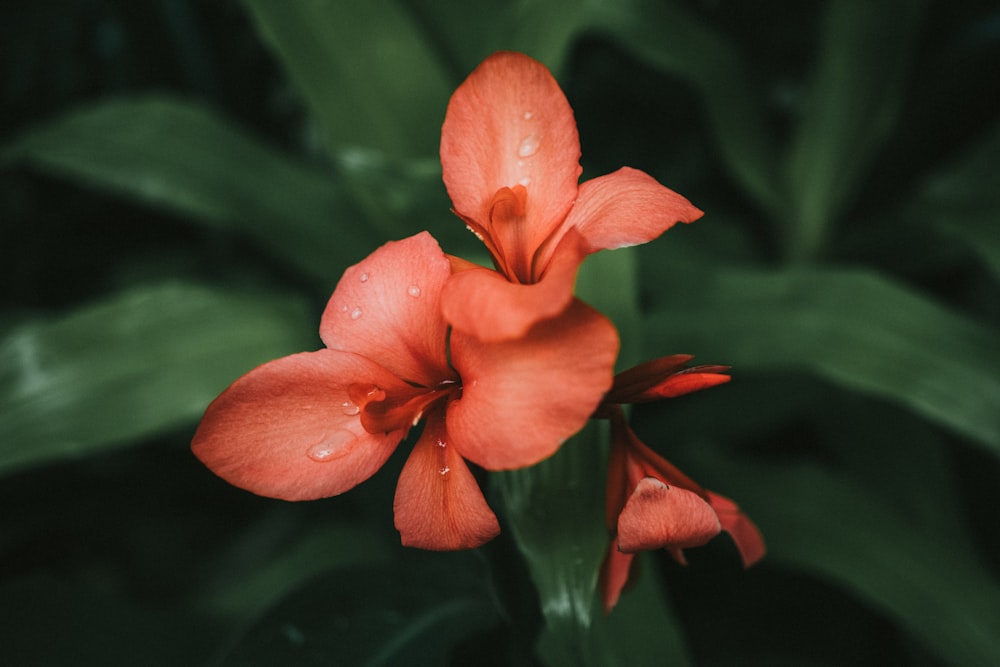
[364, 277]
[528, 147]
[525, 181]
[445, 470]
[527, 115]
[442, 443]
[356, 313]
[343, 309]
[413, 290]
[331, 447]
[350, 408]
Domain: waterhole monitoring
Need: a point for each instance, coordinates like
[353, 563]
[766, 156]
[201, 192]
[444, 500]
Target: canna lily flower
[510, 162]
[316, 424]
[651, 504]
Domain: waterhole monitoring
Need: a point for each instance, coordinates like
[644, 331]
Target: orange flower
[651, 504]
[316, 424]
[510, 161]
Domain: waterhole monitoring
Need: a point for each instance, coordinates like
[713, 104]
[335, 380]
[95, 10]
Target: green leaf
[556, 514]
[866, 50]
[858, 329]
[365, 69]
[818, 522]
[671, 39]
[133, 365]
[183, 157]
[414, 612]
[961, 200]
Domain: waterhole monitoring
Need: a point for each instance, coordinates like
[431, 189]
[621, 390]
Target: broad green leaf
[608, 281]
[181, 156]
[412, 612]
[830, 526]
[855, 328]
[962, 200]
[673, 40]
[365, 69]
[866, 51]
[133, 365]
[555, 510]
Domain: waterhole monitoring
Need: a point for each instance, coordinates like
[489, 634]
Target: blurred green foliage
[181, 184]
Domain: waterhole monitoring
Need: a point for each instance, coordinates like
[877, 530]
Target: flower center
[399, 409]
[512, 248]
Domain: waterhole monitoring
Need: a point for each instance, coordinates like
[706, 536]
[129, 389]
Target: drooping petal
[289, 430]
[509, 124]
[625, 208]
[438, 503]
[657, 515]
[616, 571]
[522, 398]
[484, 304]
[744, 532]
[387, 308]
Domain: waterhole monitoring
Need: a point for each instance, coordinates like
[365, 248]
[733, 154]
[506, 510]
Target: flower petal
[744, 532]
[484, 304]
[522, 398]
[657, 516]
[439, 504]
[509, 124]
[616, 572]
[625, 208]
[288, 430]
[387, 308]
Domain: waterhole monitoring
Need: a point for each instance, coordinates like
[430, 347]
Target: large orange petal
[625, 208]
[657, 515]
[744, 532]
[509, 124]
[388, 308]
[288, 429]
[522, 398]
[438, 502]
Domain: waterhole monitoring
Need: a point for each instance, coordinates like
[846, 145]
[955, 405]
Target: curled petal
[484, 304]
[288, 429]
[744, 532]
[438, 503]
[522, 398]
[616, 572]
[387, 307]
[626, 208]
[509, 124]
[658, 516]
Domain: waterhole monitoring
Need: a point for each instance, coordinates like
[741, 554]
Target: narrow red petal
[744, 532]
[625, 208]
[616, 571]
[633, 381]
[644, 462]
[658, 516]
[439, 504]
[680, 384]
[387, 308]
[522, 398]
[509, 124]
[288, 429]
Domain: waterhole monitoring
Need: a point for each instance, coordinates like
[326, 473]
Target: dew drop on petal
[332, 446]
[364, 277]
[528, 147]
[527, 115]
[350, 408]
[525, 181]
[442, 443]
[445, 470]
[356, 313]
[413, 291]
[343, 309]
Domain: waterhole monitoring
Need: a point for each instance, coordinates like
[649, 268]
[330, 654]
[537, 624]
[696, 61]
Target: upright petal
[657, 515]
[509, 124]
[438, 502]
[522, 398]
[289, 430]
[388, 308]
[625, 208]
